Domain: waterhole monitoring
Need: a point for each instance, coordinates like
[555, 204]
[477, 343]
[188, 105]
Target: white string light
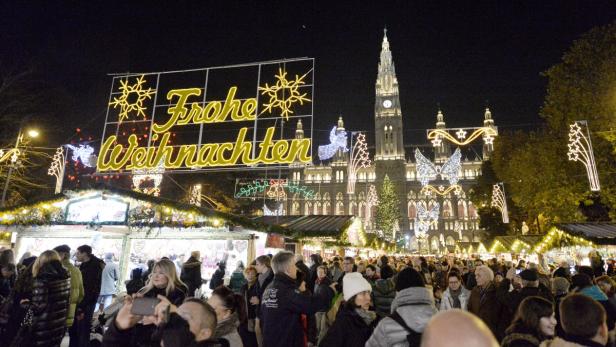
[360, 158]
[338, 140]
[57, 168]
[276, 212]
[425, 218]
[427, 171]
[580, 149]
[499, 201]
[371, 200]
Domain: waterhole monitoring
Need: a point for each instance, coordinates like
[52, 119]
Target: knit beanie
[354, 283]
[408, 278]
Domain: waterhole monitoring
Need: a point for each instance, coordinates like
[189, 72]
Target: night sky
[459, 54]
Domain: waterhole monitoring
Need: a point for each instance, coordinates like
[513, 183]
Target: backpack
[413, 337]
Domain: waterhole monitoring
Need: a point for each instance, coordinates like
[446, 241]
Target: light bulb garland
[360, 158]
[272, 188]
[580, 149]
[558, 238]
[461, 139]
[499, 201]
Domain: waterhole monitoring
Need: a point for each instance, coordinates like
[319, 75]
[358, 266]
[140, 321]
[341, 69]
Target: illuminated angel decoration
[427, 171]
[425, 218]
[338, 140]
[83, 153]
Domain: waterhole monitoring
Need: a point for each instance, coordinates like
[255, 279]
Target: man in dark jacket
[283, 304]
[511, 299]
[301, 266]
[91, 272]
[483, 301]
[191, 273]
[192, 324]
[386, 270]
[316, 262]
[218, 278]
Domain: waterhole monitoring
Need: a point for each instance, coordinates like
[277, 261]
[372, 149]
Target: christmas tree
[388, 209]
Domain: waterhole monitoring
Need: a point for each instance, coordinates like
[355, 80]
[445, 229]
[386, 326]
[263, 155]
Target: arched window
[317, 207]
[326, 208]
[353, 208]
[465, 238]
[472, 212]
[462, 212]
[449, 241]
[447, 210]
[434, 243]
[362, 209]
[295, 208]
[308, 208]
[340, 208]
[412, 209]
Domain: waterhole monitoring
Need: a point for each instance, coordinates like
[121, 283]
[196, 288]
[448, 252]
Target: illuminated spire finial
[340, 124]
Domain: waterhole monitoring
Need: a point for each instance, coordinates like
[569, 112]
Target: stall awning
[600, 232]
[515, 243]
[308, 226]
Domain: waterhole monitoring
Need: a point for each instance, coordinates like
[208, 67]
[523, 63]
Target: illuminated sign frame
[257, 103]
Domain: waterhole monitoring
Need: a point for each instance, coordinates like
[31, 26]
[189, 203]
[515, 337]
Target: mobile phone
[517, 271]
[144, 306]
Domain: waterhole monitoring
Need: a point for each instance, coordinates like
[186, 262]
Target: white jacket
[447, 300]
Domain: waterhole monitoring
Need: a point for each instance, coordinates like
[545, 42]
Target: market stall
[134, 228]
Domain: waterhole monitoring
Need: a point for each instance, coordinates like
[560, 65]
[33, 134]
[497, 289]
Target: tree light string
[499, 201]
[580, 149]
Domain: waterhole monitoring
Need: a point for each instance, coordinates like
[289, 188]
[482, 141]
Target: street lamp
[32, 133]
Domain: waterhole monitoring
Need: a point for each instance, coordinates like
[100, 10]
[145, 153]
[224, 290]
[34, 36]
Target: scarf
[227, 326]
[455, 295]
[262, 277]
[367, 316]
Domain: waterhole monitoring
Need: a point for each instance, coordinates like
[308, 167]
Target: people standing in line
[584, 322]
[91, 269]
[411, 310]
[533, 323]
[456, 296]
[48, 304]
[229, 312]
[77, 291]
[109, 282]
[483, 301]
[249, 289]
[218, 278]
[283, 303]
[354, 322]
[266, 276]
[191, 273]
[237, 280]
[322, 287]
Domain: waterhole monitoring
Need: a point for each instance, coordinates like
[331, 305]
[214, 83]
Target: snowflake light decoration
[499, 201]
[359, 159]
[284, 93]
[580, 149]
[132, 98]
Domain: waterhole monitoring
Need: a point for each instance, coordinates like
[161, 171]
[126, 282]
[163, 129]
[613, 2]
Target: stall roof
[599, 232]
[508, 241]
[307, 226]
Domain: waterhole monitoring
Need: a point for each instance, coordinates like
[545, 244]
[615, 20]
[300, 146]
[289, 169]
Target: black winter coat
[191, 275]
[348, 330]
[510, 302]
[218, 278]
[50, 300]
[261, 286]
[248, 291]
[281, 308]
[142, 334]
[313, 276]
[383, 294]
[91, 273]
[323, 289]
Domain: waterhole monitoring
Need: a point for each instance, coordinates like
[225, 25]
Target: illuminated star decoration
[359, 159]
[461, 134]
[83, 153]
[580, 149]
[499, 201]
[337, 140]
[57, 168]
[132, 98]
[12, 154]
[284, 94]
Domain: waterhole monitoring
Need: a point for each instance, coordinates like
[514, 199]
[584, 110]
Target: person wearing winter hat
[355, 322]
[411, 310]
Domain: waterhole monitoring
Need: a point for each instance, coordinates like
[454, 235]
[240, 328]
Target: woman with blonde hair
[164, 281]
[47, 304]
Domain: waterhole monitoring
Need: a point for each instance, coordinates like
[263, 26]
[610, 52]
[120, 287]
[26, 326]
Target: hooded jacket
[416, 306]
[447, 300]
[383, 294]
[76, 290]
[50, 303]
[281, 308]
[191, 275]
[348, 330]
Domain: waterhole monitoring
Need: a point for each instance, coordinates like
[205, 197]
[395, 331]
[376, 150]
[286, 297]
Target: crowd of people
[283, 300]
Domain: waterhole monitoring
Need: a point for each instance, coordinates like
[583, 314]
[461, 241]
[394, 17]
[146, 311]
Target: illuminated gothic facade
[458, 217]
